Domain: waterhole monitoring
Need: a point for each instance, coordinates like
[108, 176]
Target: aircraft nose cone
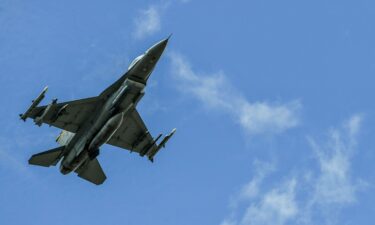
[163, 43]
[158, 48]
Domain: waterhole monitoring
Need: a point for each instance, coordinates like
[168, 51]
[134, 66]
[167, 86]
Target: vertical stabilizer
[92, 172]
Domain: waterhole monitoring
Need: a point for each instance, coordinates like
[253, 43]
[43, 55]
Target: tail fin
[47, 158]
[92, 171]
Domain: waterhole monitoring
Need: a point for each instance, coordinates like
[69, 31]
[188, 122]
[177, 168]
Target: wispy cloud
[320, 197]
[216, 92]
[251, 190]
[334, 187]
[149, 20]
[276, 206]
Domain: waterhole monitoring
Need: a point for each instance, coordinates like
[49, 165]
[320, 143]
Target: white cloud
[228, 222]
[334, 183]
[260, 117]
[216, 92]
[275, 207]
[321, 193]
[353, 125]
[147, 22]
[251, 189]
[334, 187]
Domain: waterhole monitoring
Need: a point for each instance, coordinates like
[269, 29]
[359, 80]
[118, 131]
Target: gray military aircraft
[109, 118]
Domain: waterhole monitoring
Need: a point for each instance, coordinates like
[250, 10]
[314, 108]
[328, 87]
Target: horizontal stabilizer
[47, 158]
[92, 171]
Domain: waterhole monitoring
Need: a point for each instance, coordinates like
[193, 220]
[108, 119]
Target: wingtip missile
[166, 139]
[34, 104]
[161, 145]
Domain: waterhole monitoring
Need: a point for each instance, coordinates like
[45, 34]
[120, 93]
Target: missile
[39, 120]
[34, 104]
[161, 145]
[164, 141]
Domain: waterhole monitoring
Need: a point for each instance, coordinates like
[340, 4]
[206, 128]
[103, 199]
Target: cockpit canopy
[135, 61]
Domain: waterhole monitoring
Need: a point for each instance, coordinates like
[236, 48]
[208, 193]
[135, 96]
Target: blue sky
[273, 102]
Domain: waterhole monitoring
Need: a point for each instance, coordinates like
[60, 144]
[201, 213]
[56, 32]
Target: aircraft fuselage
[109, 116]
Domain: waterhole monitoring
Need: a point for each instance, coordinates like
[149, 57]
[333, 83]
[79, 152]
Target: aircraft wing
[68, 116]
[133, 135]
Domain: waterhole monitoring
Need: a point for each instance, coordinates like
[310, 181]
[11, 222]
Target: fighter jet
[110, 118]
